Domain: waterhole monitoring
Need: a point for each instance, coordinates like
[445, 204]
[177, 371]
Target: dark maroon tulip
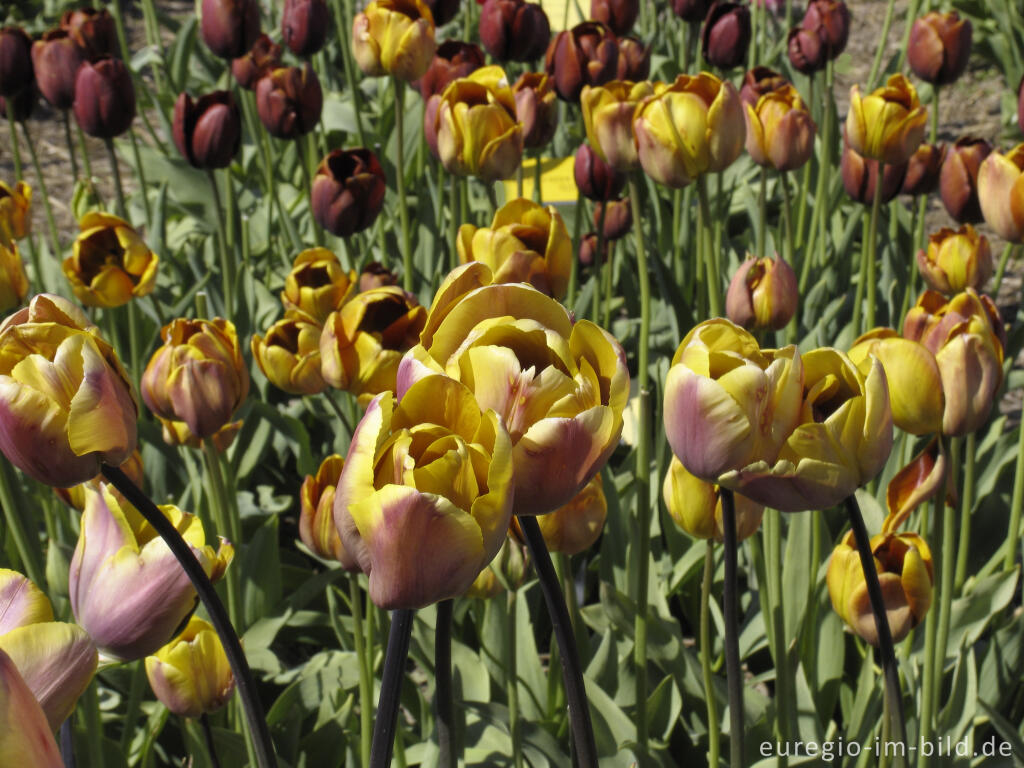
[514, 30]
[536, 108]
[807, 49]
[56, 58]
[304, 25]
[289, 101]
[617, 221]
[376, 275]
[759, 81]
[452, 60]
[92, 29]
[691, 10]
[939, 46]
[262, 58]
[587, 54]
[860, 177]
[595, 179]
[207, 132]
[832, 17]
[230, 27]
[923, 170]
[958, 180]
[725, 36]
[104, 98]
[634, 60]
[348, 191]
[443, 11]
[1020, 105]
[15, 60]
[619, 15]
[22, 103]
[588, 249]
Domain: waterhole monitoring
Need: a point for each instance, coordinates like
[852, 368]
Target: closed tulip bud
[363, 342]
[443, 11]
[691, 10]
[230, 27]
[424, 532]
[762, 294]
[304, 25]
[576, 526]
[587, 54]
[394, 37]
[25, 736]
[608, 116]
[956, 260]
[317, 285]
[289, 355]
[478, 133]
[619, 15]
[832, 17]
[518, 349]
[634, 60]
[888, 124]
[514, 30]
[198, 376]
[939, 46]
[66, 404]
[109, 263]
[21, 103]
[56, 58]
[780, 131]
[289, 101]
[15, 60]
[958, 179]
[1001, 193]
[860, 177]
[595, 179]
[316, 515]
[263, 58]
[376, 275]
[453, 60]
[15, 204]
[759, 81]
[13, 281]
[588, 250]
[348, 191]
[618, 219]
[526, 243]
[904, 565]
[923, 170]
[104, 98]
[536, 108]
[807, 49]
[93, 29]
[696, 506]
[191, 675]
[507, 568]
[691, 127]
[207, 132]
[725, 36]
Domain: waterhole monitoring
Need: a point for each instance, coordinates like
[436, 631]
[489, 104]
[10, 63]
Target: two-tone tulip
[109, 263]
[514, 30]
[289, 101]
[956, 260]
[587, 54]
[452, 60]
[763, 294]
[939, 47]
[695, 505]
[780, 131]
[15, 206]
[759, 81]
[576, 526]
[191, 675]
[347, 191]
[316, 514]
[56, 57]
[958, 179]
[208, 131]
[25, 736]
[104, 103]
[860, 176]
[304, 25]
[1001, 193]
[394, 37]
[888, 124]
[229, 27]
[608, 116]
[536, 108]
[13, 281]
[923, 170]
[317, 285]
[289, 355]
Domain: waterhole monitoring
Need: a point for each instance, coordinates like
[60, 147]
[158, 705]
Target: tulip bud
[939, 46]
[109, 264]
[13, 281]
[956, 260]
[207, 132]
[780, 131]
[696, 506]
[725, 36]
[453, 60]
[514, 30]
[576, 526]
[394, 37]
[807, 49]
[317, 285]
[56, 58]
[634, 60]
[618, 219]
[443, 11]
[832, 17]
[15, 60]
[860, 176]
[588, 254]
[289, 356]
[263, 58]
[94, 30]
[587, 54]
[759, 81]
[923, 170]
[25, 736]
[104, 98]
[316, 517]
[1001, 193]
[619, 15]
[198, 376]
[230, 27]
[608, 112]
[762, 294]
[289, 101]
[536, 108]
[888, 124]
[191, 675]
[691, 10]
[507, 568]
[15, 221]
[348, 191]
[376, 275]
[595, 179]
[304, 25]
[958, 180]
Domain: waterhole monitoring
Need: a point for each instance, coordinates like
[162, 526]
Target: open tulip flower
[126, 588]
[608, 116]
[190, 675]
[316, 514]
[25, 736]
[1001, 193]
[587, 54]
[425, 498]
[109, 264]
[780, 131]
[956, 260]
[15, 221]
[394, 37]
[695, 505]
[888, 124]
[317, 285]
[289, 355]
[559, 387]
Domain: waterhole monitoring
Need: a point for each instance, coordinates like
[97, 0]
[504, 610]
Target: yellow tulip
[574, 527]
[780, 131]
[608, 116]
[316, 514]
[191, 675]
[956, 260]
[289, 355]
[13, 281]
[888, 124]
[695, 505]
[317, 285]
[15, 203]
[109, 264]
[394, 37]
[1001, 193]
[507, 569]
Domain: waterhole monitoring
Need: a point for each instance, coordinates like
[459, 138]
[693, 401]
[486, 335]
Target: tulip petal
[25, 737]
[21, 602]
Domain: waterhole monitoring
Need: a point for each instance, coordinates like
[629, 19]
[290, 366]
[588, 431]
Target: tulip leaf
[261, 571]
[1002, 665]
[292, 430]
[957, 715]
[796, 576]
[663, 708]
[976, 609]
[184, 43]
[1011, 735]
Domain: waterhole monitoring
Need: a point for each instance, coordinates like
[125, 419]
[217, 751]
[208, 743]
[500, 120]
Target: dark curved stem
[730, 608]
[572, 671]
[246, 684]
[211, 748]
[67, 743]
[391, 688]
[443, 694]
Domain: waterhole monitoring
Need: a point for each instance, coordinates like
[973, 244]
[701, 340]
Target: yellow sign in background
[557, 182]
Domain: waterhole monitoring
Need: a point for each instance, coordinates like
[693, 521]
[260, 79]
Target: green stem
[403, 209]
[26, 541]
[131, 711]
[84, 148]
[710, 261]
[966, 505]
[870, 251]
[453, 220]
[70, 143]
[595, 311]
[730, 609]
[537, 176]
[1016, 504]
[344, 31]
[226, 267]
[805, 183]
[946, 566]
[1001, 270]
[50, 221]
[933, 130]
[219, 507]
[140, 176]
[714, 730]
[93, 723]
[122, 208]
[787, 220]
[911, 18]
[574, 271]
[15, 151]
[211, 747]
[512, 679]
[365, 675]
[301, 150]
[880, 51]
[762, 210]
[444, 704]
[926, 725]
[773, 547]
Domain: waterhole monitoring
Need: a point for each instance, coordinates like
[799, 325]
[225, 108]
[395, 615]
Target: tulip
[888, 124]
[958, 180]
[587, 54]
[13, 281]
[363, 341]
[618, 218]
[191, 675]
[24, 603]
[56, 58]
[608, 116]
[595, 179]
[452, 60]
[619, 15]
[230, 27]
[588, 250]
[289, 101]
[762, 294]
[25, 736]
[508, 568]
[109, 264]
[15, 221]
[478, 133]
[316, 516]
[691, 10]
[917, 483]
[691, 127]
[832, 17]
[94, 30]
[74, 496]
[923, 170]
[317, 285]
[304, 25]
[780, 131]
[443, 11]
[126, 588]
[104, 98]
[263, 58]
[696, 506]
[65, 402]
[198, 376]
[939, 46]
[394, 37]
[956, 260]
[525, 243]
[860, 176]
[536, 108]
[289, 355]
[15, 60]
[576, 526]
[425, 497]
[558, 387]
[759, 81]
[1001, 193]
[348, 191]
[725, 36]
[905, 574]
[634, 60]
[376, 275]
[807, 49]
[514, 30]
[207, 132]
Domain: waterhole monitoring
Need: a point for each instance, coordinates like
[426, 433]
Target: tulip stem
[705, 654]
[966, 506]
[302, 144]
[787, 218]
[86, 164]
[1001, 270]
[574, 271]
[599, 264]
[122, 209]
[223, 521]
[1016, 504]
[572, 671]
[344, 26]
[385, 724]
[211, 747]
[443, 694]
[882, 40]
[93, 721]
[512, 678]
[890, 666]
[258, 731]
[28, 546]
[71, 144]
[453, 220]
[947, 566]
[222, 246]
[50, 221]
[772, 530]
[365, 675]
[870, 251]
[710, 260]
[403, 210]
[730, 608]
[15, 151]
[762, 209]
